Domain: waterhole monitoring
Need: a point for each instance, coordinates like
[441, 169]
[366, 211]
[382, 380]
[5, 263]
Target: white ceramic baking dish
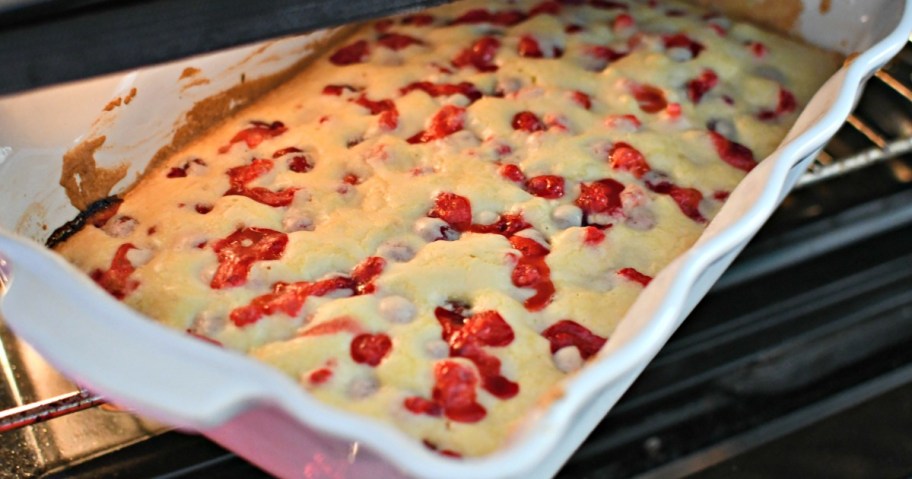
[254, 410]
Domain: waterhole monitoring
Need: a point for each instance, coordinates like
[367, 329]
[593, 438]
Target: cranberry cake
[449, 211]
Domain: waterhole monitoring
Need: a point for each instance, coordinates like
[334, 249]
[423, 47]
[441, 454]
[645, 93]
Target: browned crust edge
[211, 111]
[85, 182]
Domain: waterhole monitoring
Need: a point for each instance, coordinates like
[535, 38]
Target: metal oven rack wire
[869, 137]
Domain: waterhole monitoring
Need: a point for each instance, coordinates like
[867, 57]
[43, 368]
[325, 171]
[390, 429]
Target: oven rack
[879, 150]
[868, 138]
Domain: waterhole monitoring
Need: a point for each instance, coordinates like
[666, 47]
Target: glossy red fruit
[364, 274]
[116, 279]
[320, 376]
[480, 55]
[546, 186]
[289, 298]
[454, 209]
[445, 122]
[506, 225]
[504, 18]
[370, 349]
[529, 47]
[181, 172]
[256, 133]
[787, 104]
[337, 90]
[512, 173]
[603, 54]
[581, 99]
[688, 200]
[681, 40]
[593, 236]
[528, 247]
[531, 271]
[418, 20]
[701, 85]
[608, 5]
[240, 250]
[635, 276]
[735, 154]
[455, 391]
[240, 176]
[468, 336]
[298, 161]
[354, 53]
[444, 89]
[602, 196]
[547, 7]
[627, 158]
[527, 121]
[570, 333]
[397, 41]
[650, 98]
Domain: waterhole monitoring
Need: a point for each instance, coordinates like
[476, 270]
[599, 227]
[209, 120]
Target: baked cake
[449, 211]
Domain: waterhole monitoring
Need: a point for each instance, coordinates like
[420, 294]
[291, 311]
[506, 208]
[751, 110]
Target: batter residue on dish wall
[83, 180]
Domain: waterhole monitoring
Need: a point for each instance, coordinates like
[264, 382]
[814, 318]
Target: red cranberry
[320, 376]
[337, 90]
[787, 104]
[446, 121]
[546, 186]
[418, 20]
[635, 276]
[512, 173]
[528, 122]
[593, 236]
[398, 41]
[681, 40]
[735, 154]
[602, 196]
[444, 89]
[651, 99]
[298, 161]
[240, 176]
[608, 5]
[627, 158]
[116, 279]
[581, 99]
[256, 134]
[480, 55]
[688, 200]
[454, 209]
[370, 349]
[701, 85]
[354, 53]
[504, 18]
[529, 47]
[547, 7]
[570, 333]
[240, 250]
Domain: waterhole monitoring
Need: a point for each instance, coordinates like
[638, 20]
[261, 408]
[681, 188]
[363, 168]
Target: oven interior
[798, 362]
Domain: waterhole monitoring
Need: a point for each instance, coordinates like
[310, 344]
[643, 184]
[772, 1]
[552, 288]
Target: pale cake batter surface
[447, 214]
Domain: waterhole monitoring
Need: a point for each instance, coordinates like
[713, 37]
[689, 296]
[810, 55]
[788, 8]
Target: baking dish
[135, 363]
